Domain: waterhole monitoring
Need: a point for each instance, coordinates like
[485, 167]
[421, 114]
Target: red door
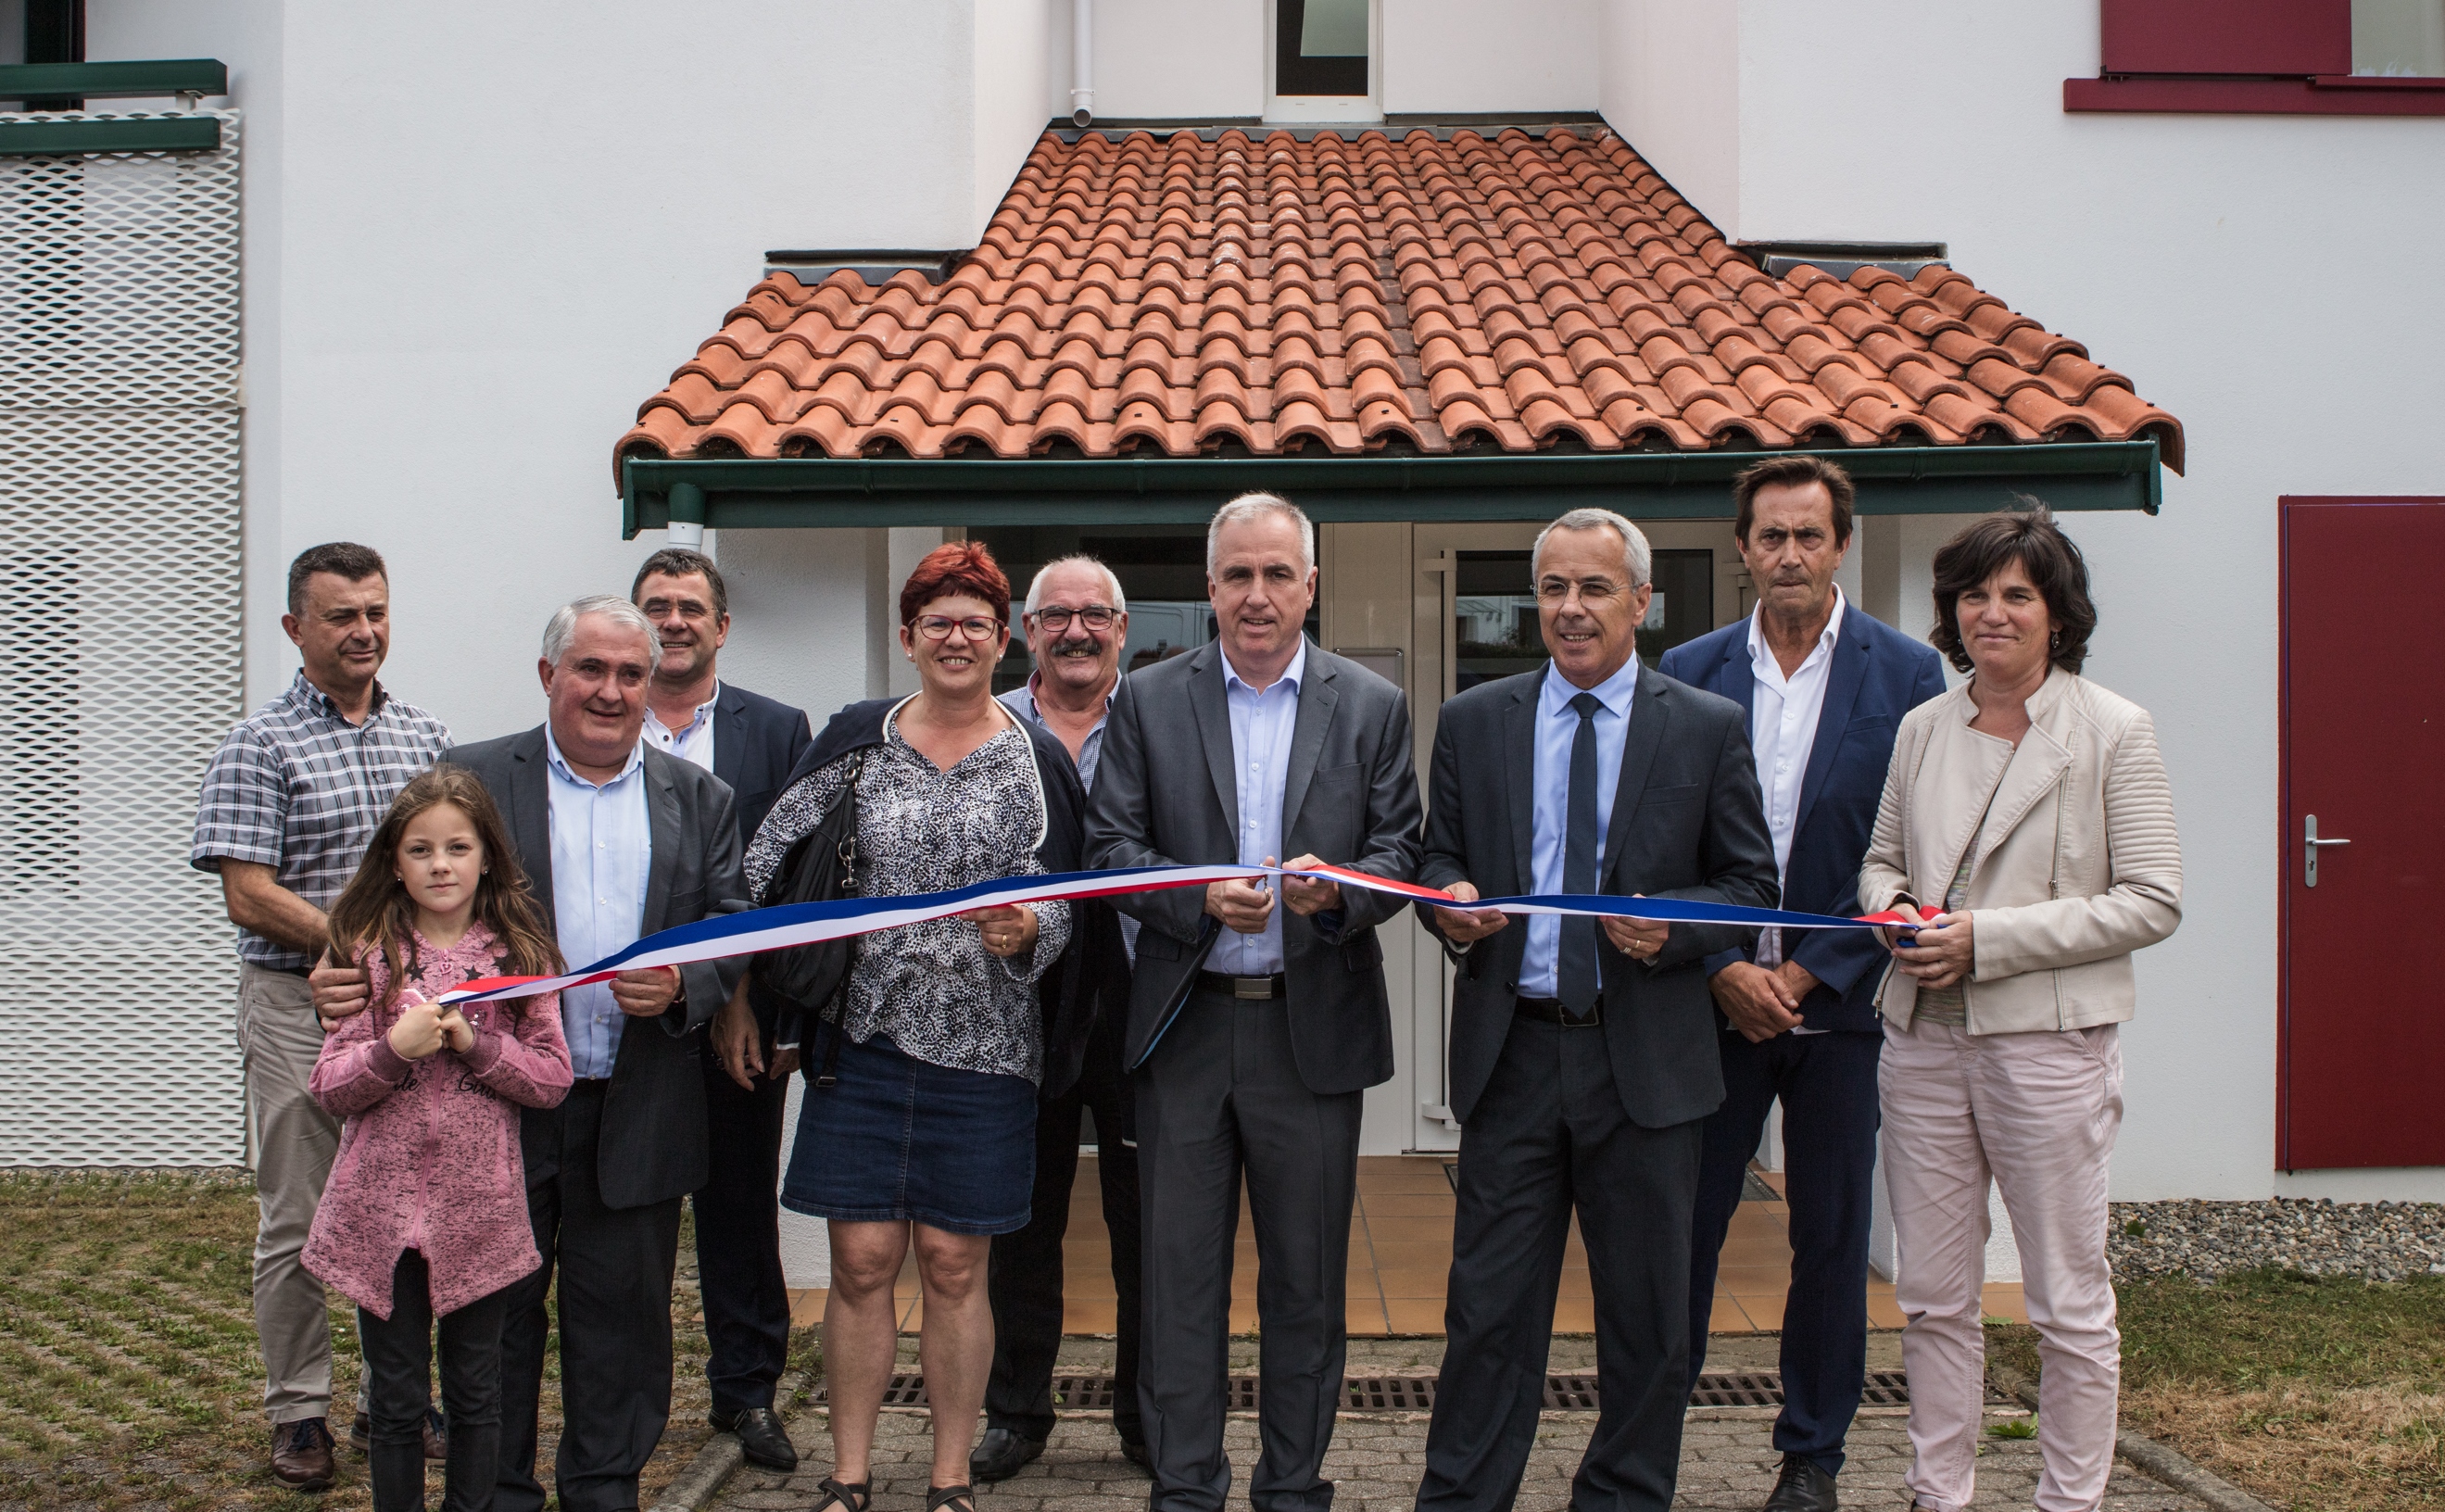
[2363, 1044]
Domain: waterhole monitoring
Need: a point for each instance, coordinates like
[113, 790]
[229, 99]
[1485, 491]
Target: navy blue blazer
[1880, 675]
[757, 742]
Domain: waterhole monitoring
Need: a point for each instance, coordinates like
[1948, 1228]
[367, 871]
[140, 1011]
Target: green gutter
[819, 493]
[124, 79]
[36, 137]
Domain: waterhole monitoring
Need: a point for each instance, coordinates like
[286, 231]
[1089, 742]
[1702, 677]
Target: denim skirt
[899, 1139]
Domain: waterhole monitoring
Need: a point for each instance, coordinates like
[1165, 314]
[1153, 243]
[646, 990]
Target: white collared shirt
[694, 744]
[1262, 726]
[1783, 731]
[1558, 727]
[602, 852]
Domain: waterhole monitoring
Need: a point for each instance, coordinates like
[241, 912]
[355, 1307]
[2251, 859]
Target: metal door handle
[2310, 845]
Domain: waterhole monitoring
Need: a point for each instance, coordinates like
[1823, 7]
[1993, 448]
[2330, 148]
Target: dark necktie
[1574, 968]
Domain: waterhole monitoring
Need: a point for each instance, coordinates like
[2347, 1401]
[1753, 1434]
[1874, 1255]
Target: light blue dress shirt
[1261, 725]
[1557, 725]
[602, 850]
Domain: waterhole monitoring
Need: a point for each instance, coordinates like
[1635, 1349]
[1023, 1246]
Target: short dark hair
[344, 559]
[678, 561]
[1793, 472]
[2029, 536]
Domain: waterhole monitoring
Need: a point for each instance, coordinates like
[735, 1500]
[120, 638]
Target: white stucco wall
[2250, 273]
[1461, 55]
[1166, 59]
[1670, 81]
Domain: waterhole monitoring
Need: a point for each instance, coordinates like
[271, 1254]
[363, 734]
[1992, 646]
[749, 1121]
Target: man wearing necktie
[1583, 1058]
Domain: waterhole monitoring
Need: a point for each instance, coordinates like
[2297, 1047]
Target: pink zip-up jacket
[429, 1157]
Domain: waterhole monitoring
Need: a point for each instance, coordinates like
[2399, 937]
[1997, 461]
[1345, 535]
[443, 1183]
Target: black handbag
[805, 982]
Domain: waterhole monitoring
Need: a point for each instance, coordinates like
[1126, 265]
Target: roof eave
[824, 492]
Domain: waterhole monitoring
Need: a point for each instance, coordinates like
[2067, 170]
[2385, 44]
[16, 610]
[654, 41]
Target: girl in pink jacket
[425, 1215]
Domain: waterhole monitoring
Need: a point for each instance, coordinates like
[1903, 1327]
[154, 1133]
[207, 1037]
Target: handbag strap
[835, 1013]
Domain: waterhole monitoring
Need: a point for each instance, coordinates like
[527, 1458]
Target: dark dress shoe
[1134, 1450]
[301, 1454]
[1000, 1454]
[765, 1442]
[1801, 1487]
[436, 1437]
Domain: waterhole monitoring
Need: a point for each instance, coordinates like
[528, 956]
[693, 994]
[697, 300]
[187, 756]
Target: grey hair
[611, 606]
[1635, 559]
[1111, 580]
[1248, 507]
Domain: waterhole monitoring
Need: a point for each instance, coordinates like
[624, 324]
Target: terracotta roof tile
[1172, 295]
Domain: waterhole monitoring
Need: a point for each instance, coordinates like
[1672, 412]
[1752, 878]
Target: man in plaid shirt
[288, 806]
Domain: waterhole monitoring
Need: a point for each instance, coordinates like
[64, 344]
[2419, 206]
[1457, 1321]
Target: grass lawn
[128, 1370]
[2311, 1393]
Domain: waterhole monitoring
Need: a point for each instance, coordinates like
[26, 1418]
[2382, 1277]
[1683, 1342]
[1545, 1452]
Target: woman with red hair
[927, 1135]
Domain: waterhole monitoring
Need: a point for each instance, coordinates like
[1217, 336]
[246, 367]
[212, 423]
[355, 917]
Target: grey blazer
[1166, 795]
[653, 1147]
[1687, 822]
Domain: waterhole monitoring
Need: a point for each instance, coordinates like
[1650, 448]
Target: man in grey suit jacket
[618, 841]
[1583, 1056]
[1253, 1030]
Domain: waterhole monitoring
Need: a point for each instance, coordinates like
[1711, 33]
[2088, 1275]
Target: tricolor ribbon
[807, 924]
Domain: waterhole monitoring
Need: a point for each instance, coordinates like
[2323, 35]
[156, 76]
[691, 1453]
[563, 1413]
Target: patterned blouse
[933, 988]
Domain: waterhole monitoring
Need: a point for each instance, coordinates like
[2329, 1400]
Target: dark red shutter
[2290, 37]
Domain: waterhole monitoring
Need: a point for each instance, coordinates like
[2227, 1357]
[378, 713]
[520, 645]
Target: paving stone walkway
[1727, 1459]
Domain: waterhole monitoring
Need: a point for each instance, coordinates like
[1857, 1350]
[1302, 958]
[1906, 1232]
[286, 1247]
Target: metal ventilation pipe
[1082, 63]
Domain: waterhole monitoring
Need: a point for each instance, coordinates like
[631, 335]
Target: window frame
[2142, 68]
[1325, 110]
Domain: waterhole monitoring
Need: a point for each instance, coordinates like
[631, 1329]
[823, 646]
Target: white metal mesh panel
[119, 670]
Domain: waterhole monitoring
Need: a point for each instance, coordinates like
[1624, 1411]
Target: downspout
[1082, 62]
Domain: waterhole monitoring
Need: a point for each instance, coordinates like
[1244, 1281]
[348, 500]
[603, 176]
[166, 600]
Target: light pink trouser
[2039, 1112]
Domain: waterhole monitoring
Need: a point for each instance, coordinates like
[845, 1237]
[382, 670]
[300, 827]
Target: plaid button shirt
[301, 789]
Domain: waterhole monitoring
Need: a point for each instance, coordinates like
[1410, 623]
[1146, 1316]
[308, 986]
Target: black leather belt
[301, 973]
[1256, 988]
[1550, 1011]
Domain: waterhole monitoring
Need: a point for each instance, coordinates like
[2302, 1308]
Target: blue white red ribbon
[806, 924]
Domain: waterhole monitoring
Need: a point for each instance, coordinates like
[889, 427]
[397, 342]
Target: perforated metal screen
[119, 667]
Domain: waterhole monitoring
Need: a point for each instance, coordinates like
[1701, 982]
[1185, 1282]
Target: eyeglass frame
[924, 624]
[1111, 616]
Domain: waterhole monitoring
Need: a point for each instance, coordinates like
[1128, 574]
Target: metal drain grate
[1416, 1394]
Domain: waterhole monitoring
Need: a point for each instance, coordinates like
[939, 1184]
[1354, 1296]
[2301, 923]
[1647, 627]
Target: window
[1323, 61]
[2274, 57]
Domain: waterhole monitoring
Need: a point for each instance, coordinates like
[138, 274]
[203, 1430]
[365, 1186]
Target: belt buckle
[1258, 988]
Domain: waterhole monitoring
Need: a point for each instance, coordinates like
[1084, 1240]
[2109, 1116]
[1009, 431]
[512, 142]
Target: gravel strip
[2379, 1242]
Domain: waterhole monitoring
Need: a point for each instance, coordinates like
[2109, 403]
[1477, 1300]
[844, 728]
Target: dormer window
[1324, 65]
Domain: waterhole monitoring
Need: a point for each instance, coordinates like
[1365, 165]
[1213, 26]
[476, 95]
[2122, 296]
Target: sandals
[958, 1498]
[848, 1497]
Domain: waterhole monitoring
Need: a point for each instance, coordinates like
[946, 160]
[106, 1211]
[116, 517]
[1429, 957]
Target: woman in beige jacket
[2028, 820]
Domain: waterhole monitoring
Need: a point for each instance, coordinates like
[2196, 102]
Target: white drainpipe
[1082, 62]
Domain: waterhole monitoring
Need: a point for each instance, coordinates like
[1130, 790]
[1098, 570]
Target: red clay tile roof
[1172, 295]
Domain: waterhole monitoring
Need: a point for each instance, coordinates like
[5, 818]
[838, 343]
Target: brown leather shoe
[301, 1454]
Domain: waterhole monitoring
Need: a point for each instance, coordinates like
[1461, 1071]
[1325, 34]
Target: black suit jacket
[1878, 675]
[1166, 795]
[1687, 823]
[653, 1147]
[756, 743]
[1064, 993]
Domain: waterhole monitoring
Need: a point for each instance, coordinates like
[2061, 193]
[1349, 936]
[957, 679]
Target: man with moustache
[618, 841]
[288, 805]
[1077, 619]
[750, 743]
[1253, 1030]
[1584, 1061]
[1825, 687]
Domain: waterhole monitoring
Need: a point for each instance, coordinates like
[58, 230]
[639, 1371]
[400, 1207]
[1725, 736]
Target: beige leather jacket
[2078, 864]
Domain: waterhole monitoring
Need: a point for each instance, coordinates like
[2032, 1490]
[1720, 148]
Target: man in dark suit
[1824, 688]
[1582, 1051]
[1255, 1029]
[750, 743]
[1077, 619]
[618, 841]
